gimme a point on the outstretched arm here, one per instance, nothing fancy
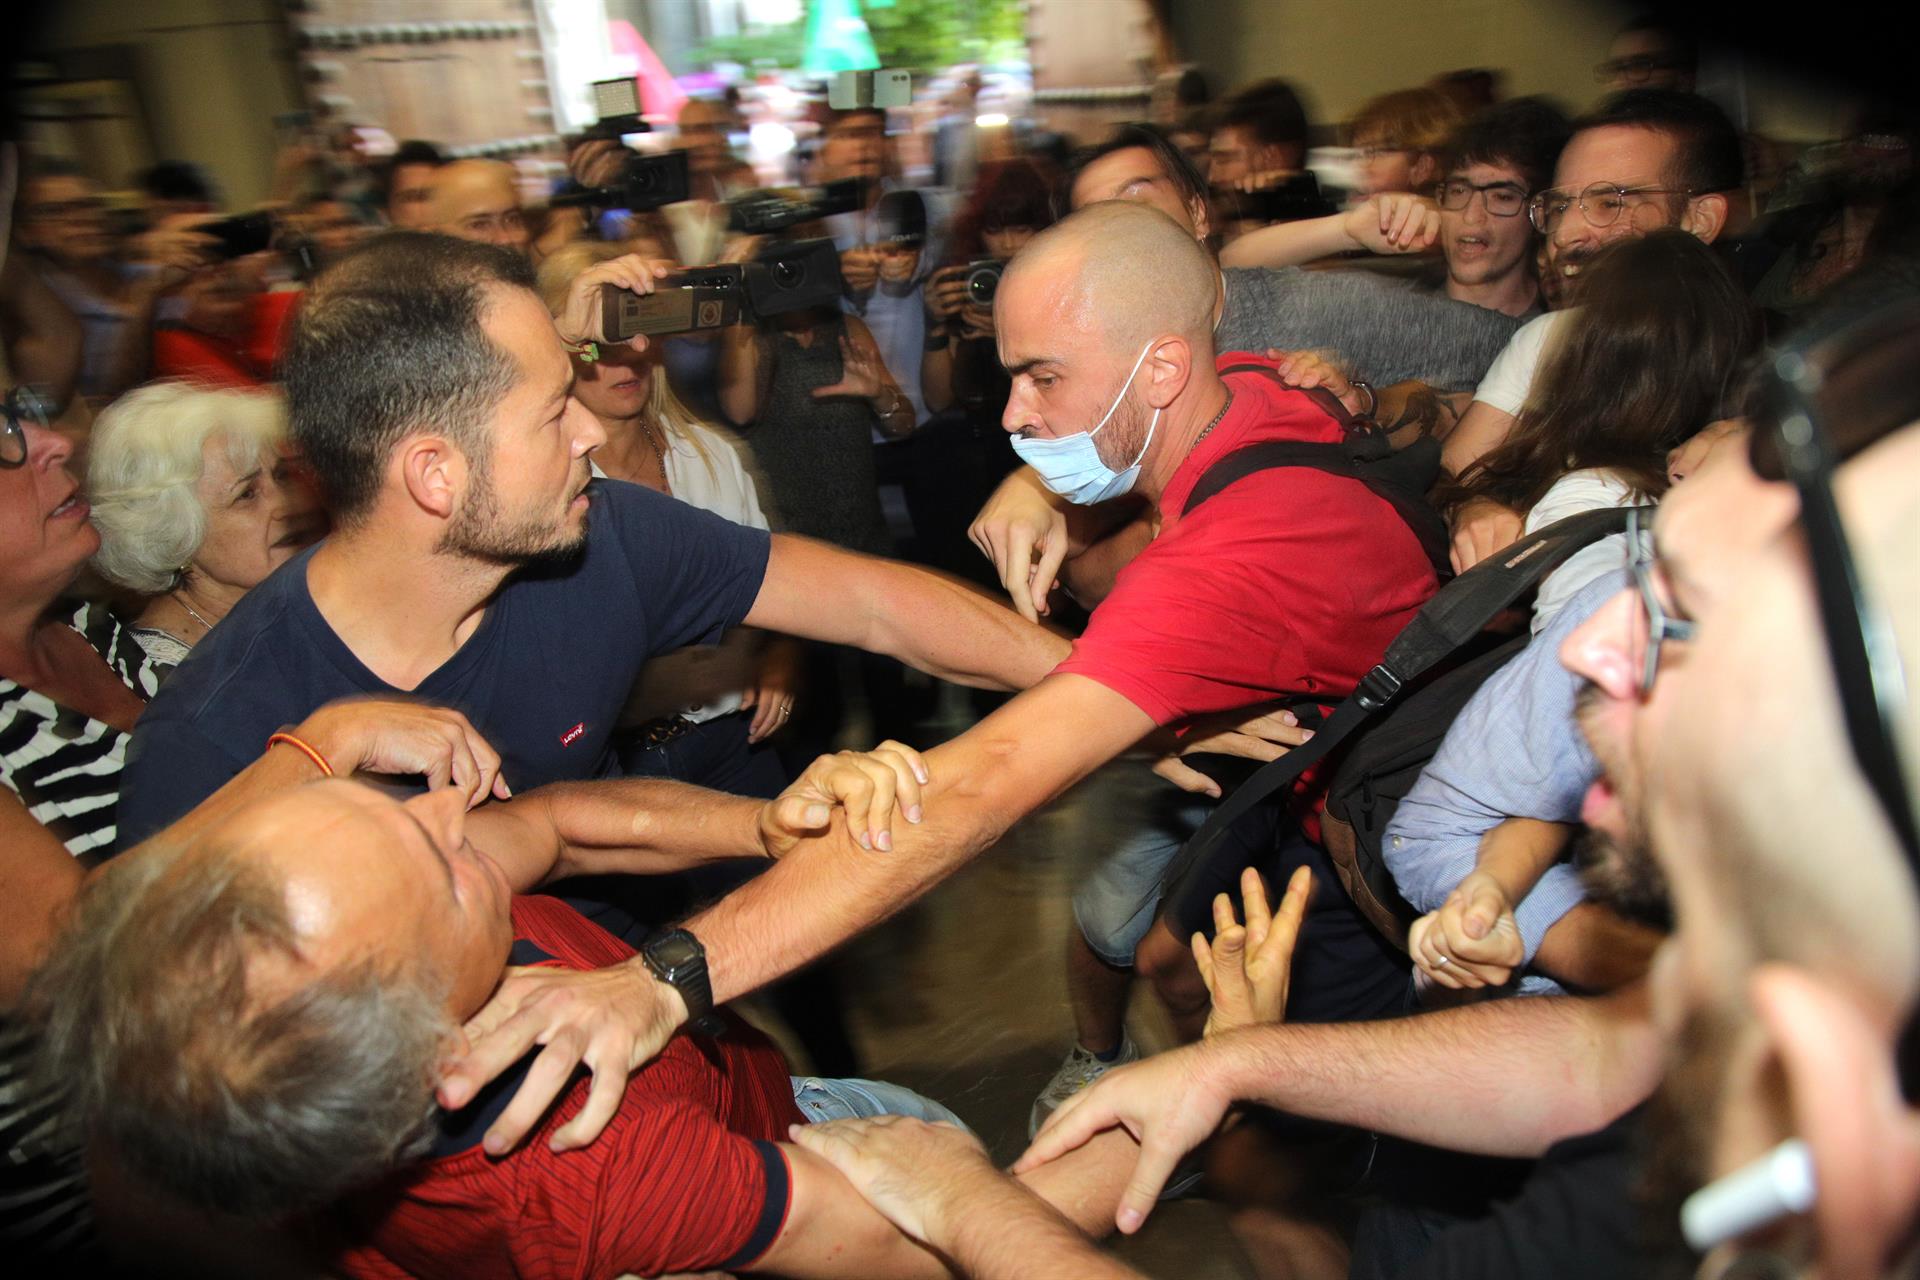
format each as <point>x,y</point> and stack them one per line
<point>647,826</point>
<point>822,892</point>
<point>936,1186</point>
<point>1387,224</point>
<point>934,623</point>
<point>1542,1069</point>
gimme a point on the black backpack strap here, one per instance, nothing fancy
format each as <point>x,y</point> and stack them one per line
<point>1457,612</point>
<point>1400,477</point>
<point>1391,476</point>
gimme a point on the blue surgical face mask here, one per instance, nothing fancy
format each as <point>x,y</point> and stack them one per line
<point>1071,466</point>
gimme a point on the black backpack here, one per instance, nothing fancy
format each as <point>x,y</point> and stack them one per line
<point>1399,472</point>
<point>1384,762</point>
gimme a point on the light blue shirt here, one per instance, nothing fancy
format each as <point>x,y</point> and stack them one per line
<point>1513,752</point>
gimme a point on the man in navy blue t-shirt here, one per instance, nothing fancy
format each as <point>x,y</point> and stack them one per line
<point>473,565</point>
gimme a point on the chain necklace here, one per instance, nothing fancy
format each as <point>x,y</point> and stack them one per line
<point>1208,429</point>
<point>192,612</point>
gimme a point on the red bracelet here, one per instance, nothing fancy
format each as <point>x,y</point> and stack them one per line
<point>319,761</point>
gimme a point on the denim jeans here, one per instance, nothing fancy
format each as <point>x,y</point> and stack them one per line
<point>821,1100</point>
<point>1116,904</point>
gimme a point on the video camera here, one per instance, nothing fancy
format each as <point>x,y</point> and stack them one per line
<point>794,276</point>
<point>765,213</point>
<point>645,181</point>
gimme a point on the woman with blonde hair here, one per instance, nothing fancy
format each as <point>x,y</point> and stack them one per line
<point>693,706</point>
<point>195,503</point>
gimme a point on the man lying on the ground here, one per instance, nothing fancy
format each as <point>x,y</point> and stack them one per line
<point>275,1045</point>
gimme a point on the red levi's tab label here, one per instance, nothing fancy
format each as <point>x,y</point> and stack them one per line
<point>572,735</point>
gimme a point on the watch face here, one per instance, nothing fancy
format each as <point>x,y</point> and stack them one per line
<point>673,950</point>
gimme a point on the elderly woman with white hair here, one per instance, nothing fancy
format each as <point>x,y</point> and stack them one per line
<point>195,505</point>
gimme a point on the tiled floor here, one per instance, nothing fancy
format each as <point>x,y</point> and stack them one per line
<point>963,997</point>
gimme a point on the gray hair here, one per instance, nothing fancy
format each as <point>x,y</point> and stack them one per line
<point>208,1079</point>
<point>144,466</point>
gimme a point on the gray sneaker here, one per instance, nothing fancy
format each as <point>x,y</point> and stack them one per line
<point>1080,1069</point>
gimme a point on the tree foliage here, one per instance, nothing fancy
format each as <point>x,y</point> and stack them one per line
<point>919,35</point>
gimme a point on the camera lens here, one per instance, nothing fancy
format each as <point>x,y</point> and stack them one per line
<point>787,273</point>
<point>982,284</point>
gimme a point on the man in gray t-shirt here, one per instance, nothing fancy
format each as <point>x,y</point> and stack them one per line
<point>1378,329</point>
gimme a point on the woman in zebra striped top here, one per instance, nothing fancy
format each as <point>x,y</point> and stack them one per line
<point>72,683</point>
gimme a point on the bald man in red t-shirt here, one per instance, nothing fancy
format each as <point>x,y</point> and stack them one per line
<point>1288,585</point>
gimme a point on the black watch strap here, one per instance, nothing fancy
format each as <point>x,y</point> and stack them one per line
<point>678,959</point>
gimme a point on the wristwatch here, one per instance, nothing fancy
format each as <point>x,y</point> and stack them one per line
<point>676,958</point>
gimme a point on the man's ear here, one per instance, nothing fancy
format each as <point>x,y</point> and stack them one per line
<point>1169,366</point>
<point>1844,1094</point>
<point>1706,216</point>
<point>1424,172</point>
<point>433,472</point>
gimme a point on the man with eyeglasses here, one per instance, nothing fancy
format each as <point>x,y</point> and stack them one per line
<point>1498,159</point>
<point>1646,159</point>
<point>1736,791</point>
<point>1649,54</point>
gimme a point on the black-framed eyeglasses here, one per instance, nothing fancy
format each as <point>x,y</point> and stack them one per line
<point>1503,199</point>
<point>1600,204</point>
<point>1792,442</point>
<point>1662,624</point>
<point>24,407</point>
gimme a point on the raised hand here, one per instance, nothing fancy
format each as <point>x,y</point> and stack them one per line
<point>1246,967</point>
<point>860,269</point>
<point>580,319</point>
<point>1022,529</point>
<point>395,736</point>
<point>863,374</point>
<point>1396,222</point>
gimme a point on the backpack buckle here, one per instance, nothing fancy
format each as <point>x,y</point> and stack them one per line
<point>1377,688</point>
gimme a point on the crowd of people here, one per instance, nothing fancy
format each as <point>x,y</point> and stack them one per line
<point>423,711</point>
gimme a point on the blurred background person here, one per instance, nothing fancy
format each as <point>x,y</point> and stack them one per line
<point>963,453</point>
<point>176,187</point>
<point>1259,145</point>
<point>478,200</point>
<point>115,288</point>
<point>409,184</point>
<point>1402,139</point>
<point>226,330</point>
<point>1650,52</point>
<point>195,503</point>
<point>328,226</point>
<point>714,175</point>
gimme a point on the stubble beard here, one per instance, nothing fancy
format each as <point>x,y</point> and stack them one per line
<point>479,530</point>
